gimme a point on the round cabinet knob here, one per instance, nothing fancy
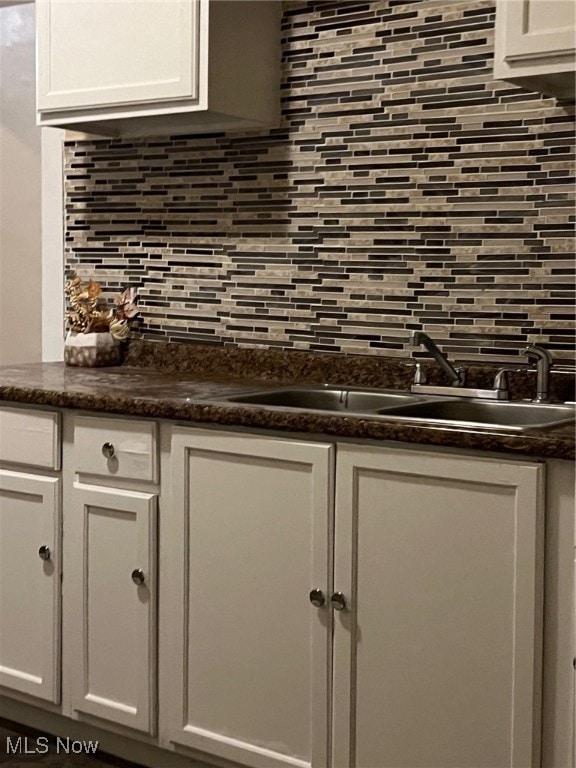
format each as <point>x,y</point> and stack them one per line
<point>138,576</point>
<point>317,598</point>
<point>108,450</point>
<point>44,552</point>
<point>338,601</point>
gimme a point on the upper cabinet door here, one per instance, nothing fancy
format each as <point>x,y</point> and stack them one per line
<point>538,27</point>
<point>158,67</point>
<point>535,45</point>
<point>97,52</point>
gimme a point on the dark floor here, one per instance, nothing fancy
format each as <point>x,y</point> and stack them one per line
<point>22,746</point>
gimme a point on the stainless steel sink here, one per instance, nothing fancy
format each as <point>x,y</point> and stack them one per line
<point>326,398</point>
<point>474,413</point>
<point>403,406</point>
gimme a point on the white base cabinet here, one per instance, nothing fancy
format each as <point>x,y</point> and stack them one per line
<point>247,656</point>
<point>436,605</point>
<point>437,658</point>
<point>111,600</point>
<point>30,553</point>
<point>149,67</point>
<point>558,677</point>
<point>30,584</point>
<point>321,605</point>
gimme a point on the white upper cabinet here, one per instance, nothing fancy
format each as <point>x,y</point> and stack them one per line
<point>78,70</point>
<point>139,67</point>
<point>536,45</point>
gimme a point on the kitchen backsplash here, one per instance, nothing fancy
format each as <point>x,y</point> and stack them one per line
<point>403,189</point>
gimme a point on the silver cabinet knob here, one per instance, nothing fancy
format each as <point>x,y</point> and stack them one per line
<point>108,450</point>
<point>317,598</point>
<point>138,576</point>
<point>44,552</point>
<point>338,601</point>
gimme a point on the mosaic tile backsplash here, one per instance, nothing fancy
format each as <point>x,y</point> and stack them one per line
<point>403,189</point>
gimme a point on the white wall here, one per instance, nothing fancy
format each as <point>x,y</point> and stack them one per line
<point>20,191</point>
<point>52,244</point>
<point>31,203</point>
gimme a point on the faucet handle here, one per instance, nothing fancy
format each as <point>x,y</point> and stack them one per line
<point>419,375</point>
<point>501,380</point>
<point>462,373</point>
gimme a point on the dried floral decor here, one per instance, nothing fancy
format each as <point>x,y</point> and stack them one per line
<point>90,314</point>
<point>95,329</point>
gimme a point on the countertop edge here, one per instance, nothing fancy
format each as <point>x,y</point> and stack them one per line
<point>551,444</point>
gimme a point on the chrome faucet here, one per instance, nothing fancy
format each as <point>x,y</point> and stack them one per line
<point>455,376</point>
<point>543,364</point>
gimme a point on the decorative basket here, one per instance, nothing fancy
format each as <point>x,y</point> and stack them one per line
<point>91,350</point>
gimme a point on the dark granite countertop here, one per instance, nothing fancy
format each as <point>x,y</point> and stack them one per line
<point>184,383</point>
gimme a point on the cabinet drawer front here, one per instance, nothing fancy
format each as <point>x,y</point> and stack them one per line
<point>30,437</point>
<point>115,448</point>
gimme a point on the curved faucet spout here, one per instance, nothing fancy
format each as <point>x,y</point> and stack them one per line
<point>418,338</point>
<point>543,364</point>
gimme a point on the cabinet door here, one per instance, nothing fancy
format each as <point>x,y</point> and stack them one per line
<point>437,657</point>
<point>100,53</point>
<point>112,622</point>
<point>573,762</point>
<point>30,584</point>
<point>248,655</point>
<point>536,28</point>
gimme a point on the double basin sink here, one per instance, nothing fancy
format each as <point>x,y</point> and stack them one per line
<point>405,407</point>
